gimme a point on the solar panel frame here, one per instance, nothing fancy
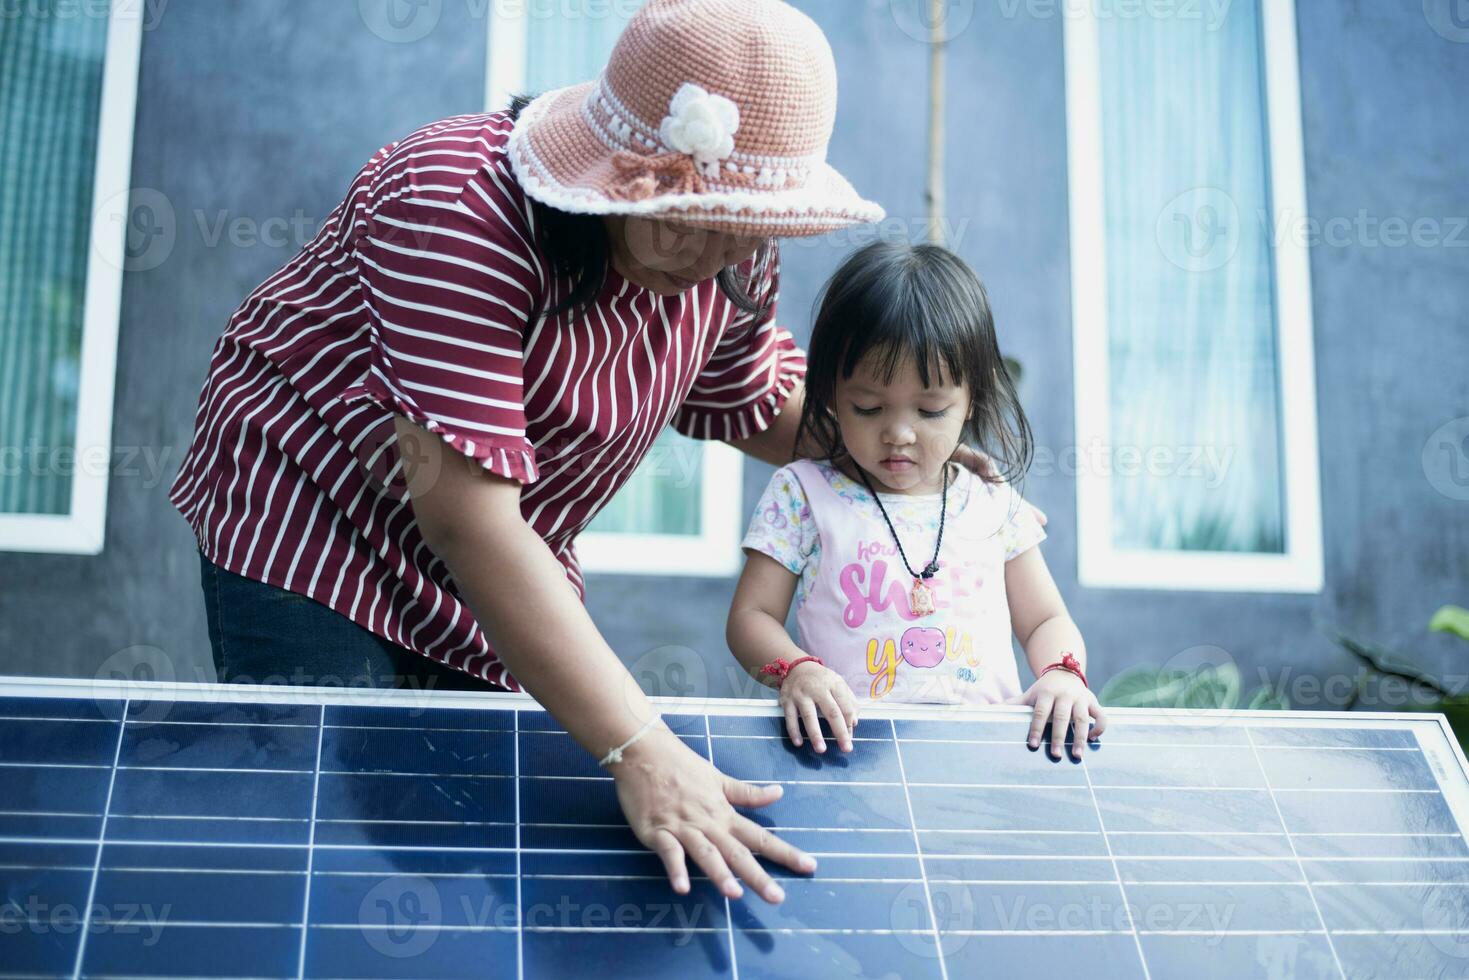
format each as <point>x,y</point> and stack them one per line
<point>148,703</point>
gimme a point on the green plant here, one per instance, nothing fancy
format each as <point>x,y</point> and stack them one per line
<point>1375,660</point>
<point>1206,686</point>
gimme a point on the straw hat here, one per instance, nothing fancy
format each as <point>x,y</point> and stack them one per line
<point>713,112</point>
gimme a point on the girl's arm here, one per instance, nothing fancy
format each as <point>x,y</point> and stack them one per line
<point>757,635</point>
<point>1046,631</point>
<point>756,630</point>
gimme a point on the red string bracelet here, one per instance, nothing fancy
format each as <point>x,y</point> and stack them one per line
<point>780,667</point>
<point>1068,663</point>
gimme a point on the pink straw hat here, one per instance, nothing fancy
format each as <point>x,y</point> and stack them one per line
<point>716,113</point>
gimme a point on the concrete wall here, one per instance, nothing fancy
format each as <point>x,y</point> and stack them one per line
<point>248,111</point>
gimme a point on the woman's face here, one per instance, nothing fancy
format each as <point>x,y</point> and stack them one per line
<point>668,256</point>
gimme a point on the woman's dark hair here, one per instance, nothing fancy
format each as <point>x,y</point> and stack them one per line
<point>922,302</point>
<point>576,247</point>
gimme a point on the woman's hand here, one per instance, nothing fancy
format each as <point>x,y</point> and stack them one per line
<point>983,463</point>
<point>679,805</point>
<point>1062,699</point>
<point>810,688</point>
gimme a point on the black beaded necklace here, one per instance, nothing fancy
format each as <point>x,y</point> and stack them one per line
<point>920,598</point>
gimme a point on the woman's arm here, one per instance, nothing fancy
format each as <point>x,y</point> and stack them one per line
<point>676,802</point>
<point>1046,631</point>
<point>776,444</point>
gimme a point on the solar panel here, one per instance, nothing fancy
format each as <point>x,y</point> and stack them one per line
<point>206,830</point>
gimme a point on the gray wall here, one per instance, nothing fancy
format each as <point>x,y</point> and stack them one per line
<point>244,112</point>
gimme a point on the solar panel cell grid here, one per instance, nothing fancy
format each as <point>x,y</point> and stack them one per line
<point>311,835</point>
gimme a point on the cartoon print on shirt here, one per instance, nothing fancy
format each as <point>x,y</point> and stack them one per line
<point>883,658</point>
<point>923,646</point>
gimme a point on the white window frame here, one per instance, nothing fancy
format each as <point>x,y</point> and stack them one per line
<point>1100,564</point>
<point>82,530</point>
<point>715,551</point>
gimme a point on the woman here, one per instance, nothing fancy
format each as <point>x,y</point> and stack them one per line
<point>404,429</point>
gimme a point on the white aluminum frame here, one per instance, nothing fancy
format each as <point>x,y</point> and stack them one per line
<point>82,530</point>
<point>1100,564</point>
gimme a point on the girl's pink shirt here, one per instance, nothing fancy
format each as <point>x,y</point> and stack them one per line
<point>852,598</point>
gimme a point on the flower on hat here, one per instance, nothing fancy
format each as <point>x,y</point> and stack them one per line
<point>641,177</point>
<point>701,124</point>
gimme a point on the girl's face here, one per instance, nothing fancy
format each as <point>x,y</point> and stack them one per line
<point>901,433</point>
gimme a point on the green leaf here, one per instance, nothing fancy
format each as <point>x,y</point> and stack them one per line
<point>1136,687</point>
<point>1384,662</point>
<point>1451,619</point>
<point>1132,688</point>
<point>1265,699</point>
<point>1212,687</point>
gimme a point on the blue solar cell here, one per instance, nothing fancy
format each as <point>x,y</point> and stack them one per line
<point>81,709</point>
<point>193,951</point>
<point>442,752</point>
<point>203,896</point>
<point>216,746</point>
<point>224,713</point>
<point>1300,957</point>
<point>1441,953</point>
<point>1302,768</point>
<point>1008,763</point>
<point>413,954</point>
<point>256,838</point>
<point>57,743</point>
<point>55,789</point>
<point>1346,737</point>
<point>417,718</point>
<point>777,760</point>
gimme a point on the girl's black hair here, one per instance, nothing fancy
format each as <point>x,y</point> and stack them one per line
<point>922,302</point>
<point>576,247</point>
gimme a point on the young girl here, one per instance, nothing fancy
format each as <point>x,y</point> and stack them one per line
<point>908,570</point>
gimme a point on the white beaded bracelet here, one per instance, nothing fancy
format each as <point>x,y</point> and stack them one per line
<point>616,754</point>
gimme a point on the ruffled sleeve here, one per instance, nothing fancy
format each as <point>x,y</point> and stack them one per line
<point>450,279</point>
<point>782,526</point>
<point>1020,530</point>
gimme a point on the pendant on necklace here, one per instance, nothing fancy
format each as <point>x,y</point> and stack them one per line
<point>920,599</point>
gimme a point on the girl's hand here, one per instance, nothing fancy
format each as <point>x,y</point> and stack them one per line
<point>811,687</point>
<point>1062,699</point>
<point>680,806</point>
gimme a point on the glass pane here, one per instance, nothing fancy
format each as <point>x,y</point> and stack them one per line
<point>664,494</point>
<point>50,94</point>
<point>1196,419</point>
<point>569,43</point>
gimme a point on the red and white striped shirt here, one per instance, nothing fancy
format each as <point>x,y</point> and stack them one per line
<point>418,298</point>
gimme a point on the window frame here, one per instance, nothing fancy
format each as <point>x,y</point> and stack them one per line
<point>715,551</point>
<point>82,530</point>
<point>1100,563</point>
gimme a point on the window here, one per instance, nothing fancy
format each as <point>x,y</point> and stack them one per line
<point>1196,453</point>
<point>68,84</point>
<point>680,513</point>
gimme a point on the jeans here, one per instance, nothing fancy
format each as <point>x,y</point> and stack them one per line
<point>261,634</point>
